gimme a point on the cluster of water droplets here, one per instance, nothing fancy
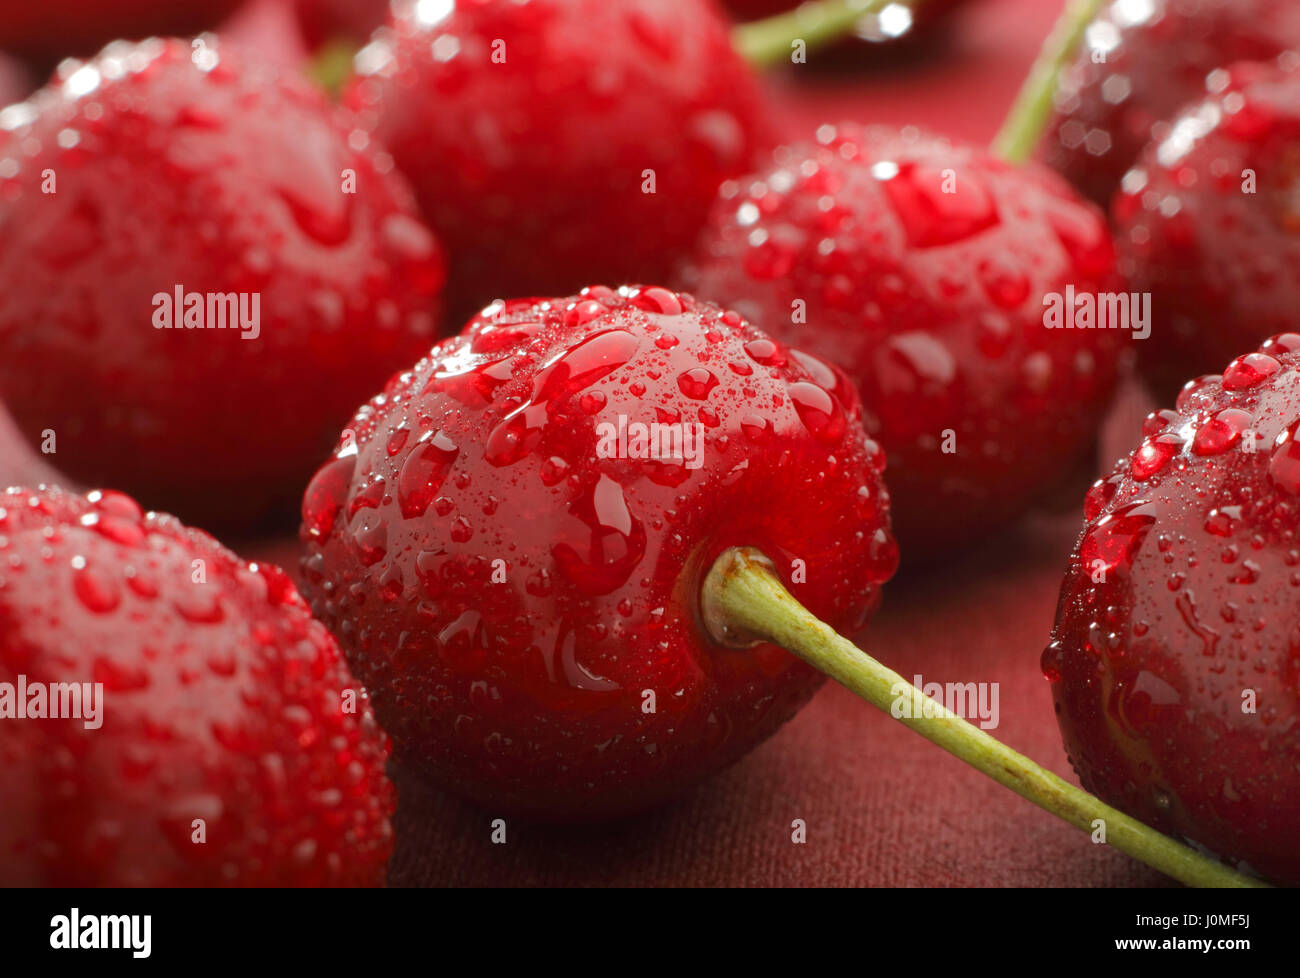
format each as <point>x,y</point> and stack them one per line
<point>221,698</point>
<point>1186,577</point>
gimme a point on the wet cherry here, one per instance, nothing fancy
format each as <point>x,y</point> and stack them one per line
<point>923,268</point>
<point>1142,62</point>
<point>226,745</point>
<point>1206,224</point>
<point>1173,660</point>
<point>510,542</point>
<point>204,271</point>
<point>537,133</point>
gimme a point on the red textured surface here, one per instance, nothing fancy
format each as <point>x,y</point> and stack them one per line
<point>882,806</point>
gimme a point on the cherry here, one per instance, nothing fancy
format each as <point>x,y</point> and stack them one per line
<point>1206,223</point>
<point>1143,62</point>
<point>170,185</point>
<point>171,715</point>
<point>537,133</point>
<point>922,268</point>
<point>516,582</point>
<point>1173,661</point>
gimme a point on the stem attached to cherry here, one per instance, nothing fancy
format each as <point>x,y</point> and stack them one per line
<point>743,602</point>
<point>331,66</point>
<point>1033,106</point>
<point>767,42</point>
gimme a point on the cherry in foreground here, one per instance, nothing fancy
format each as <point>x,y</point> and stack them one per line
<point>193,246</point>
<point>510,541</point>
<point>172,715</point>
<point>1174,657</point>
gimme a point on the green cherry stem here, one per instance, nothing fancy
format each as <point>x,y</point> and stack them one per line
<point>744,602</point>
<point>331,66</point>
<point>767,42</point>
<point>1033,106</point>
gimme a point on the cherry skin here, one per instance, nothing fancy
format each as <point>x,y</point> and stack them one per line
<point>519,592</point>
<point>536,134</point>
<point>221,700</point>
<point>180,167</point>
<point>1156,56</point>
<point>1173,659</point>
<point>853,247</point>
<point>1206,224</point>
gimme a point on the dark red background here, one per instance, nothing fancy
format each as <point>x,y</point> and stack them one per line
<point>882,806</point>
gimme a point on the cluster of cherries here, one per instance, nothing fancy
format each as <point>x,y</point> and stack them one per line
<point>507,592</point>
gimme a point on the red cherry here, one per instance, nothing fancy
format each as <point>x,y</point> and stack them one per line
<point>1206,223</point>
<point>517,584</point>
<point>922,268</point>
<point>536,134</point>
<point>1143,61</point>
<point>226,744</point>
<point>174,167</point>
<point>1173,659</point>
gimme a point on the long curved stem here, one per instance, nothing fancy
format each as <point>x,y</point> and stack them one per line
<point>766,42</point>
<point>743,601</point>
<point>1033,106</point>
